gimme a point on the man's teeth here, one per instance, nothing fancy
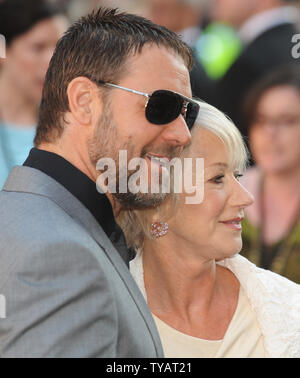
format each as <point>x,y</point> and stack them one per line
<point>162,161</point>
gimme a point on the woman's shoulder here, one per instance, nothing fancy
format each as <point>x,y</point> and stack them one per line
<point>267,291</point>
<point>249,274</point>
<point>276,302</point>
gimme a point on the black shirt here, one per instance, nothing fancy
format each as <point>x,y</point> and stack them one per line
<point>84,189</point>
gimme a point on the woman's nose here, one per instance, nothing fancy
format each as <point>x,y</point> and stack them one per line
<point>241,196</point>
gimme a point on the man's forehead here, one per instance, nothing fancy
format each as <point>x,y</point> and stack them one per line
<point>160,66</point>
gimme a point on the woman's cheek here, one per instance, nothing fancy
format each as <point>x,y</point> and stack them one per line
<point>215,203</point>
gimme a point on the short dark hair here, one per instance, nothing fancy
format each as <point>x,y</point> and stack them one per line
<point>286,75</point>
<point>96,47</point>
<point>19,16</point>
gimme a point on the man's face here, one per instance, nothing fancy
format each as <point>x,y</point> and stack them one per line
<point>123,125</point>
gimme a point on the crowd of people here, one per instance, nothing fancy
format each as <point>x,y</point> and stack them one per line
<point>93,273</point>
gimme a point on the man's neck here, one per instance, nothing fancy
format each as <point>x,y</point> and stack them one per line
<point>80,162</point>
<point>71,155</point>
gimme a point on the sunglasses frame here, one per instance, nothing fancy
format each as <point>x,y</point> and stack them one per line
<point>186,100</point>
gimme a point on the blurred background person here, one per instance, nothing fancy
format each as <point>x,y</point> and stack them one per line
<point>182,16</point>
<point>265,28</point>
<point>31,29</point>
<point>271,231</point>
<point>78,8</point>
<point>185,18</point>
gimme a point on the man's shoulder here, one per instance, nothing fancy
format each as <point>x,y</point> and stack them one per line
<point>23,211</point>
<point>54,283</point>
<point>35,228</point>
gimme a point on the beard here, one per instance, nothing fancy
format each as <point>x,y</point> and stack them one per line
<point>104,144</point>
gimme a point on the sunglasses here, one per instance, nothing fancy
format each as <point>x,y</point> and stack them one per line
<point>165,106</point>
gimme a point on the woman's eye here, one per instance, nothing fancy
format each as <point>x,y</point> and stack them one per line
<point>238,176</point>
<point>218,179</point>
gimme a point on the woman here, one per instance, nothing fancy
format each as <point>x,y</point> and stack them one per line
<point>207,300</point>
<point>31,29</point>
<point>272,225</point>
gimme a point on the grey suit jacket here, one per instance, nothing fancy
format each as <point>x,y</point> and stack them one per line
<point>68,292</point>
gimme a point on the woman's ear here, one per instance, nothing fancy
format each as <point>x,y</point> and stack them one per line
<point>81,96</point>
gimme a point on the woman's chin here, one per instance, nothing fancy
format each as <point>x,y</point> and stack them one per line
<point>229,253</point>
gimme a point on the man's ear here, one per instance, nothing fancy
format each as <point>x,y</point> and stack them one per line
<point>81,95</point>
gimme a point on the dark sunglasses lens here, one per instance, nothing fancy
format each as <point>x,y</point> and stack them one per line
<point>191,114</point>
<point>163,107</point>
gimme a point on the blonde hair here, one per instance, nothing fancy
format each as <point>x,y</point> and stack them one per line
<point>136,224</point>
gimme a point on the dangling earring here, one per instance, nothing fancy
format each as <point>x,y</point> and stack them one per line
<point>159,229</point>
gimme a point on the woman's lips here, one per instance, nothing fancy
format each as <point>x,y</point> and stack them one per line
<point>235,224</point>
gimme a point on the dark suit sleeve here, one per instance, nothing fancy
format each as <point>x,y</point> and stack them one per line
<point>59,304</point>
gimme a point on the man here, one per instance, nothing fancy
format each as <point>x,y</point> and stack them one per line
<point>69,292</point>
<point>266,28</point>
<point>185,17</point>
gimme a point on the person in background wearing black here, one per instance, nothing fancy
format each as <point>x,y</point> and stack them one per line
<point>266,28</point>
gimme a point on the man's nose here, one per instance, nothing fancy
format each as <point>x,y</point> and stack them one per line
<point>177,133</point>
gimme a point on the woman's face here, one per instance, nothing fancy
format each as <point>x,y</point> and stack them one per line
<point>215,224</point>
<point>28,56</point>
<point>275,133</point>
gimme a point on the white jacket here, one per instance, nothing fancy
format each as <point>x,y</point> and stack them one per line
<point>275,300</point>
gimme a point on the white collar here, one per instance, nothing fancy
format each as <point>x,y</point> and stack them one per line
<point>264,21</point>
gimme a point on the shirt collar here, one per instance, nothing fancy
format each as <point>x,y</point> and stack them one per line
<point>77,183</point>
<point>264,21</point>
